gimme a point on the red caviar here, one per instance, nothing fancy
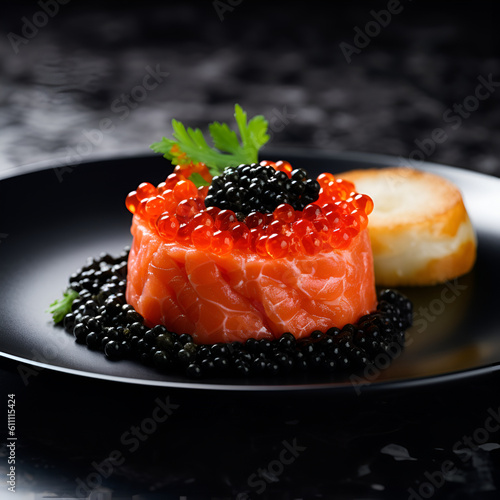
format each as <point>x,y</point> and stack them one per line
<point>167,226</point>
<point>254,219</point>
<point>277,227</point>
<point>222,242</point>
<point>212,211</point>
<point>145,190</point>
<point>161,187</point>
<point>202,219</point>
<point>186,209</point>
<point>184,234</point>
<point>201,236</point>
<point>193,168</point>
<point>277,246</point>
<point>322,227</point>
<point>241,235</point>
<point>261,245</point>
<point>312,243</point>
<point>224,219</point>
<point>284,166</point>
<point>131,202</point>
<point>302,227</point>
<point>170,201</point>
<point>185,189</point>
<point>255,234</point>
<point>155,205</point>
<point>284,213</point>
<point>312,212</point>
<point>172,180</point>
<point>176,210</point>
<point>325,178</point>
<point>364,203</point>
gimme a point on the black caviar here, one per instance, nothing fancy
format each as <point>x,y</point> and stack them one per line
<point>101,319</point>
<point>257,188</point>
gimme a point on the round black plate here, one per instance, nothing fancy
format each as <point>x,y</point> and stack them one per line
<point>53,218</point>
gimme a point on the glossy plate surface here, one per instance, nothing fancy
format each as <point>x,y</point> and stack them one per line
<point>53,218</point>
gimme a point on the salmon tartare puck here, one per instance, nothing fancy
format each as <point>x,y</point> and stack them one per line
<point>222,275</point>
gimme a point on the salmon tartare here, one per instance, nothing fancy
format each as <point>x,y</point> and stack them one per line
<point>298,271</point>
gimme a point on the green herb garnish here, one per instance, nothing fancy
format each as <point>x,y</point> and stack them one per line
<point>60,307</point>
<point>189,145</point>
<point>198,180</point>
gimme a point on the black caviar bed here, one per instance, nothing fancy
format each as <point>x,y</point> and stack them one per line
<point>101,319</point>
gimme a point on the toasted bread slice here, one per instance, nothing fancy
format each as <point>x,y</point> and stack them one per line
<point>420,231</point>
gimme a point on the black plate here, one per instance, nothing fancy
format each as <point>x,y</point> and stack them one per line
<point>53,218</point>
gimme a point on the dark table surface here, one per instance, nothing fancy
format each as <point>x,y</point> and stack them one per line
<point>77,434</point>
<point>423,84</point>
<point>318,81</point>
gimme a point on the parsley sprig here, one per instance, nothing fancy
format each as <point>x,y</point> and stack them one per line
<point>60,307</point>
<point>189,145</point>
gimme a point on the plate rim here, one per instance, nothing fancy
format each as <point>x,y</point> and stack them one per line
<point>343,388</point>
<point>378,160</point>
<point>281,151</point>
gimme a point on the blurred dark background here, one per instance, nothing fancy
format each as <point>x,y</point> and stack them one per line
<point>361,76</point>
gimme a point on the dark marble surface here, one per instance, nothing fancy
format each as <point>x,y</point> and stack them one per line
<point>75,87</point>
<point>76,435</point>
<point>285,60</point>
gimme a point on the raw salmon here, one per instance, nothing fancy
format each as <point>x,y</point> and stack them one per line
<point>238,295</point>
